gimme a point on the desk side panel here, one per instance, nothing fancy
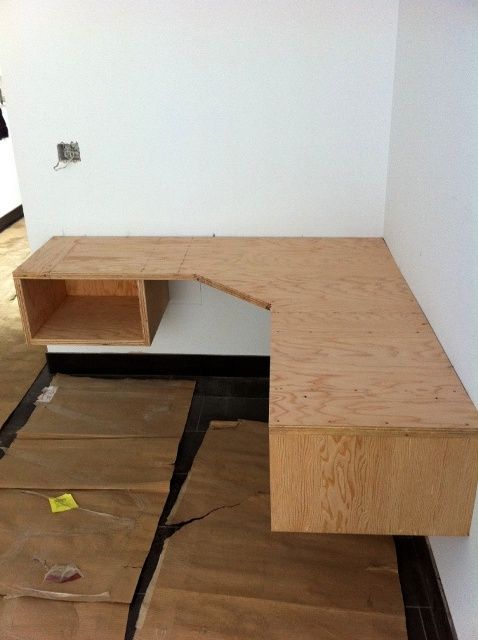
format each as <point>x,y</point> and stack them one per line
<point>154,298</point>
<point>38,300</point>
<point>396,485</point>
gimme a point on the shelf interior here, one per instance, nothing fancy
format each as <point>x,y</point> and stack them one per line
<point>93,319</point>
<point>83,311</point>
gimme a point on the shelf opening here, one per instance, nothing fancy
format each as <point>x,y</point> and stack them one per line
<point>84,311</point>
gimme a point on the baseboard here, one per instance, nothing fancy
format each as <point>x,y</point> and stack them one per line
<point>436,593</point>
<point>11,217</point>
<point>426,607</point>
<point>145,364</point>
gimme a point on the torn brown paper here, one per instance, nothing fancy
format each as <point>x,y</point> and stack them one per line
<point>117,408</point>
<point>222,617</point>
<point>34,619</point>
<point>237,475</point>
<point>107,537</point>
<point>141,464</point>
<point>224,574</point>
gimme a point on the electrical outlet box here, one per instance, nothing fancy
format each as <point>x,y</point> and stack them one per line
<point>68,152</point>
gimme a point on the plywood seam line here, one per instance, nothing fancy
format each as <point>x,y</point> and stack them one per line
<point>424,431</point>
<point>146,261</point>
<point>236,293</point>
<point>185,256</point>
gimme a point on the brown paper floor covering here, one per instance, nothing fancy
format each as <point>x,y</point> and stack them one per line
<point>19,363</point>
<point>120,480</point>
<point>108,538</point>
<point>225,576</point>
<point>50,451</point>
<point>101,408</point>
<point>36,619</point>
<point>222,575</point>
<point>141,464</point>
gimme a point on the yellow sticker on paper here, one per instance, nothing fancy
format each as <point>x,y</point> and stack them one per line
<point>62,503</point>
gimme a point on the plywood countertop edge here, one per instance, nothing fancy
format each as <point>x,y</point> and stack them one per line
<point>423,431</point>
<point>93,258</point>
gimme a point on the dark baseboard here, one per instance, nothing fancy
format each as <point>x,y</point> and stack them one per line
<point>438,601</point>
<point>145,364</point>
<point>9,218</point>
<point>426,608</point>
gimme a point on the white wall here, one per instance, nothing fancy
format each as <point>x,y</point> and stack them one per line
<point>431,222</point>
<point>9,190</point>
<point>232,117</point>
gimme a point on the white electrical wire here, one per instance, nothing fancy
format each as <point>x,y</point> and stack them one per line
<point>63,163</point>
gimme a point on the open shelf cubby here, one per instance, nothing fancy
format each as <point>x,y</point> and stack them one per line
<point>83,311</point>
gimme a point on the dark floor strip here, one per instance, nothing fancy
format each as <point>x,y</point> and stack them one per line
<point>428,616</point>
<point>153,364</point>
<point>10,218</point>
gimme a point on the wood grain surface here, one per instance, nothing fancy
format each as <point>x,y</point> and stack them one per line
<point>153,300</point>
<point>372,484</point>
<point>352,354</point>
<point>93,320</point>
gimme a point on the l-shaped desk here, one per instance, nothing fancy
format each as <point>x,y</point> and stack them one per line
<point>371,430</point>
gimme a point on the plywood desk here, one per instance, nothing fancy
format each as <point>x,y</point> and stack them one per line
<point>371,431</point>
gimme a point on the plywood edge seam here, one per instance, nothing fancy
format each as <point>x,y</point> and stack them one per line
<point>21,274</point>
<point>23,311</point>
<point>234,292</point>
<point>103,343</point>
<point>423,431</point>
<point>143,312</point>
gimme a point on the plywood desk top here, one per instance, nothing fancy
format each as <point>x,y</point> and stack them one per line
<point>371,431</point>
<point>351,350</point>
